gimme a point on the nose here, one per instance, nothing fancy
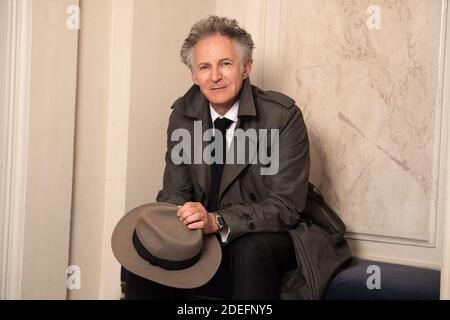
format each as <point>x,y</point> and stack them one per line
<point>216,75</point>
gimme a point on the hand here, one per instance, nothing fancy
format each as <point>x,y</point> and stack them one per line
<point>195,216</point>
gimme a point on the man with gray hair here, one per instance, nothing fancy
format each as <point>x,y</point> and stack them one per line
<point>251,213</point>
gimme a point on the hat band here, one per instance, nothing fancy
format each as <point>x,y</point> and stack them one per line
<point>165,264</point>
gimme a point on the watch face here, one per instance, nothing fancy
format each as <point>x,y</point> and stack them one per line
<point>220,221</point>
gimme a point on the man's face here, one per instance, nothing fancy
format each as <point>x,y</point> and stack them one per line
<point>217,70</point>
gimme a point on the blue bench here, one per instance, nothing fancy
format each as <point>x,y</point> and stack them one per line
<point>397,282</point>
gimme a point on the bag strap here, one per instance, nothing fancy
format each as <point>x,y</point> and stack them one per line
<point>315,195</point>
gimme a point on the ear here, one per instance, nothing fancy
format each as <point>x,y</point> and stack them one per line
<point>247,68</point>
<point>194,77</point>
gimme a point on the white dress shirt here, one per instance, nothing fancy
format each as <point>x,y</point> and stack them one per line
<point>232,115</point>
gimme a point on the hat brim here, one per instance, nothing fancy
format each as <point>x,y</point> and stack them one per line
<point>195,276</point>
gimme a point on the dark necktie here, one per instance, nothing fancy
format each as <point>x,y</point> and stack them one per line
<point>217,168</point>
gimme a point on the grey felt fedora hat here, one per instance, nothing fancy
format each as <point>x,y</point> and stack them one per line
<point>151,242</point>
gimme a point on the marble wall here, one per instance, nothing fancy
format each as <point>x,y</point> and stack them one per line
<point>372,101</point>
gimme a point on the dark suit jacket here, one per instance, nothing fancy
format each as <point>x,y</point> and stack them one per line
<point>249,201</point>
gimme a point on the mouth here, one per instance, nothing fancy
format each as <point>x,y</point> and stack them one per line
<point>217,88</point>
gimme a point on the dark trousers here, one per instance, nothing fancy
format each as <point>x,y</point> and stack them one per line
<point>251,268</point>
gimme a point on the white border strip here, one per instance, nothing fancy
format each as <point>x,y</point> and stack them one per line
<point>445,163</point>
<point>17,119</point>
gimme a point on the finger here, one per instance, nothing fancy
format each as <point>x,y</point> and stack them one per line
<point>182,209</point>
<point>189,212</point>
<point>199,216</point>
<point>185,207</point>
<point>196,225</point>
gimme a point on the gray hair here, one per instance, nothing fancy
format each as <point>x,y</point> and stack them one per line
<point>213,25</point>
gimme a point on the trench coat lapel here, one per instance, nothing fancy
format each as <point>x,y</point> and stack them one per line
<point>197,107</point>
<point>202,170</point>
<point>246,120</point>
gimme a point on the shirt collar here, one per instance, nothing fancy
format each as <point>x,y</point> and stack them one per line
<point>231,114</point>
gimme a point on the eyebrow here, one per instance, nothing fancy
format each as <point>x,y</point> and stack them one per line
<point>221,60</point>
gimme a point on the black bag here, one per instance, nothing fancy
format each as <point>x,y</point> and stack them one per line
<point>318,212</point>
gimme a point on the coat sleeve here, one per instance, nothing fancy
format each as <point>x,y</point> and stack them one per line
<point>177,183</point>
<point>286,190</point>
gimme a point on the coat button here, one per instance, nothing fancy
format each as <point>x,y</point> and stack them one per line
<point>251,225</point>
<point>252,196</point>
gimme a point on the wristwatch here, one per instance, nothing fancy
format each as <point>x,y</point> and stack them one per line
<point>220,221</point>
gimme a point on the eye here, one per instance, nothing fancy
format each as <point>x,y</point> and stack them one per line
<point>203,67</point>
<point>226,63</point>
